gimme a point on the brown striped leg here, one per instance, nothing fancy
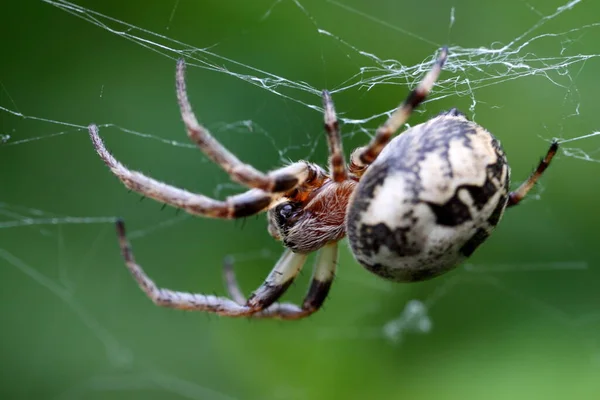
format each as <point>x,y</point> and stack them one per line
<point>242,205</point>
<point>322,279</point>
<point>280,180</point>
<point>337,164</point>
<point>515,197</point>
<point>191,301</point>
<point>278,281</point>
<point>364,156</point>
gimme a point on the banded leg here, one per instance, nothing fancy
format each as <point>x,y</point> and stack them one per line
<point>278,281</point>
<point>323,275</point>
<point>242,205</point>
<point>515,197</point>
<point>280,180</point>
<point>193,301</point>
<point>337,164</point>
<point>364,156</point>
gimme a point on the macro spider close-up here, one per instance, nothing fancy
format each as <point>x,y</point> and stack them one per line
<point>413,206</point>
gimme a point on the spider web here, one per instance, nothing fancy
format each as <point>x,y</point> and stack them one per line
<point>76,325</point>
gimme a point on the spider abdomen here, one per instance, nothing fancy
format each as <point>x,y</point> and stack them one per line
<point>433,195</point>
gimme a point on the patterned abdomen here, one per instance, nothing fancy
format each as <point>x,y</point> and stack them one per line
<point>429,200</point>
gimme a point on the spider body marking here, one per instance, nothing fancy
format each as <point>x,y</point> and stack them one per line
<point>413,206</point>
<point>433,195</point>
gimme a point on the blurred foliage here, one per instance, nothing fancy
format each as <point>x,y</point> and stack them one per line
<point>522,323</point>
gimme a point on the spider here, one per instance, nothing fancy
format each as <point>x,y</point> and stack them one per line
<point>413,207</point>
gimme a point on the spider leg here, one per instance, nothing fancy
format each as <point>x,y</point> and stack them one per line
<point>191,301</point>
<point>323,275</point>
<point>515,197</point>
<point>337,164</point>
<point>231,283</point>
<point>278,281</point>
<point>242,205</point>
<point>276,284</point>
<point>364,156</point>
<point>280,180</point>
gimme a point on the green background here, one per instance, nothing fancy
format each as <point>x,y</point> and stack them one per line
<point>520,322</point>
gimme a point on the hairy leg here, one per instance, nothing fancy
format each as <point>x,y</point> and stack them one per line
<point>364,156</point>
<point>515,197</point>
<point>323,275</point>
<point>337,164</point>
<point>280,180</point>
<point>242,205</point>
<point>288,263</point>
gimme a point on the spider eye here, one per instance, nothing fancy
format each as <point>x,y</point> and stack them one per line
<point>282,219</point>
<point>284,214</point>
<point>285,211</point>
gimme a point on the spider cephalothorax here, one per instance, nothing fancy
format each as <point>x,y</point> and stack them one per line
<point>307,220</point>
<point>413,207</point>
